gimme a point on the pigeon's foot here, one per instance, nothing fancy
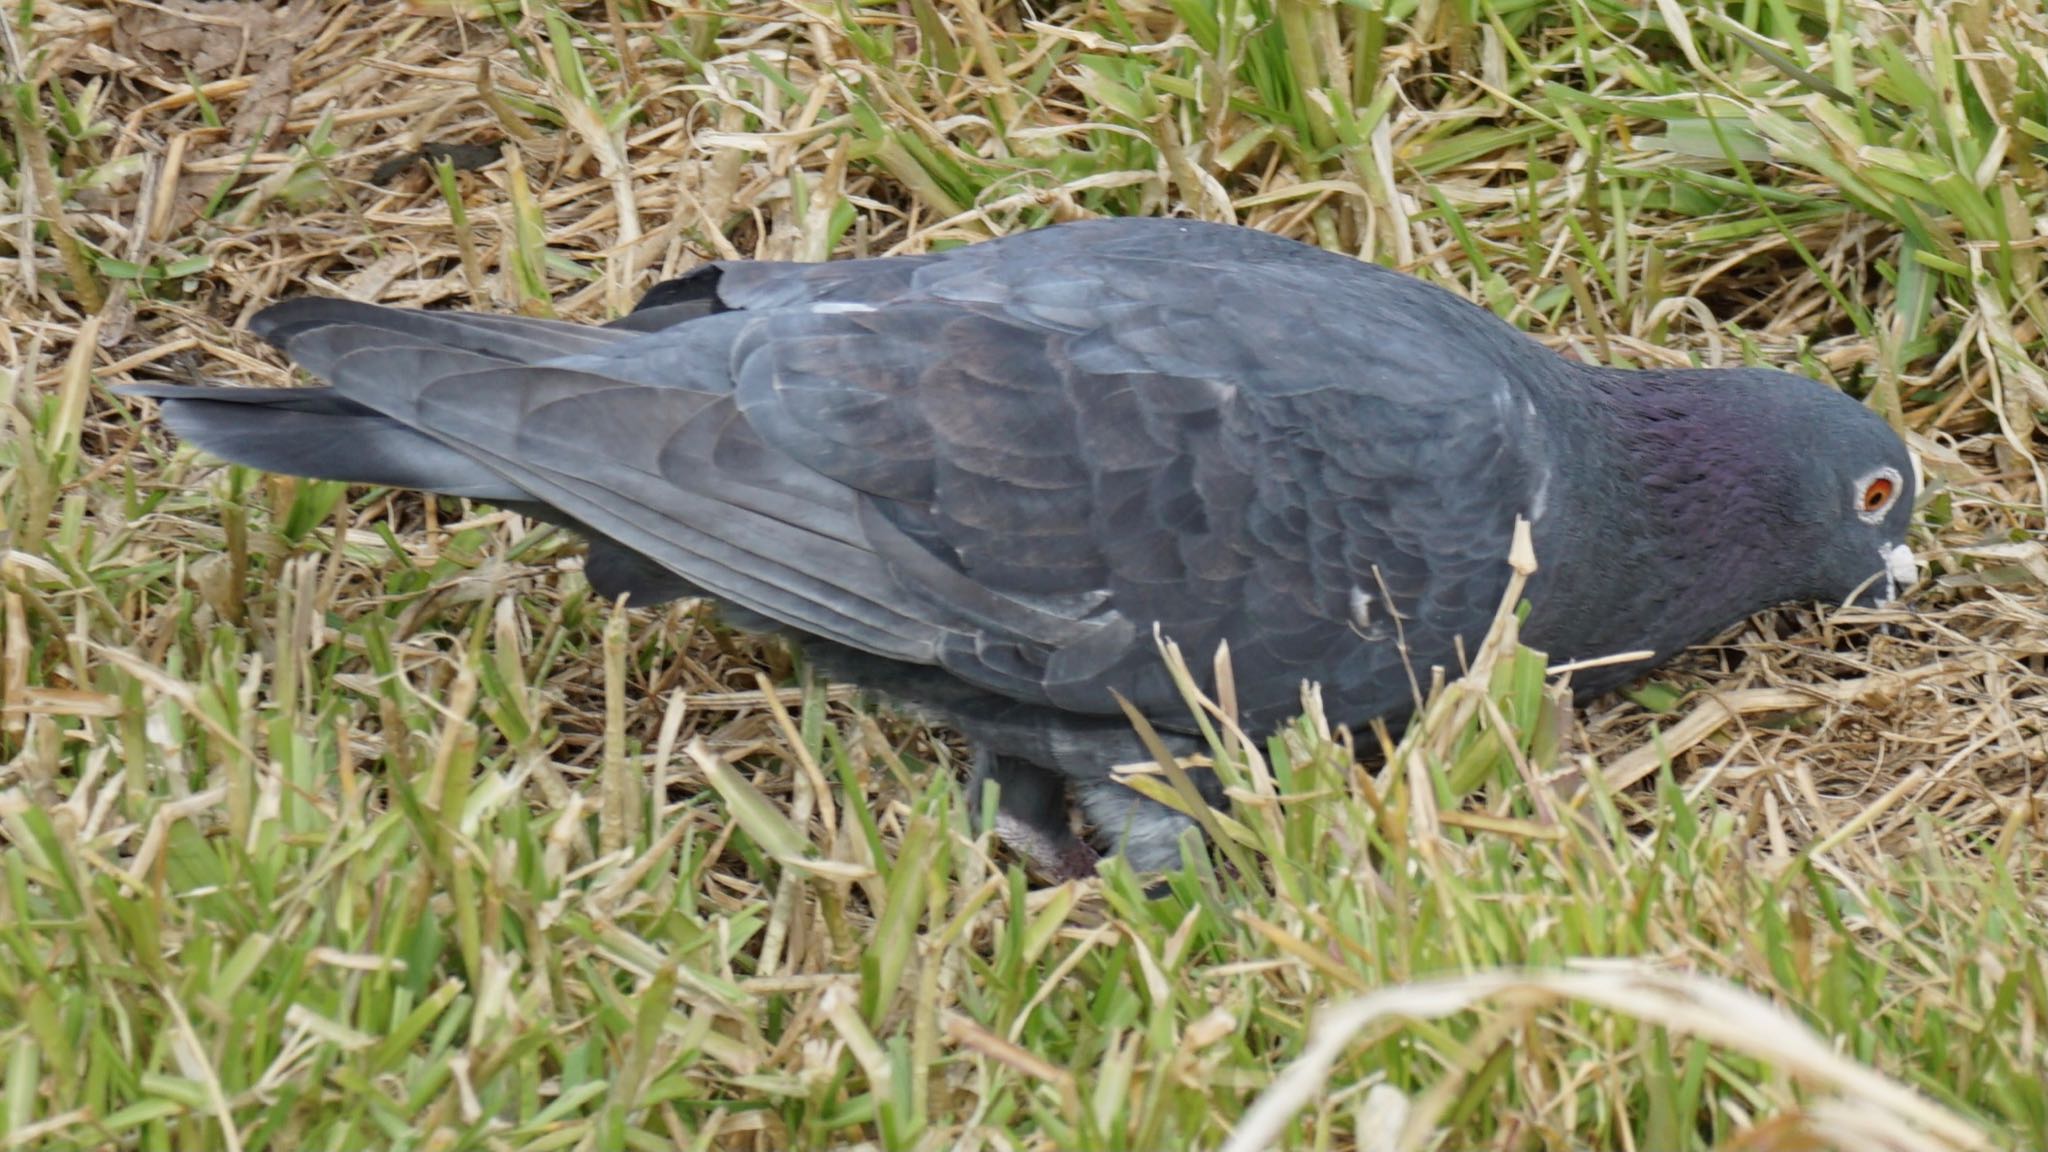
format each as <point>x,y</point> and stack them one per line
<point>1032,816</point>
<point>1056,859</point>
<point>1035,817</point>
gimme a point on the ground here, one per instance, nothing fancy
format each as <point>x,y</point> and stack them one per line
<point>336,818</point>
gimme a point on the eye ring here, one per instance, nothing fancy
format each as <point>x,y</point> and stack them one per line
<point>1875,493</point>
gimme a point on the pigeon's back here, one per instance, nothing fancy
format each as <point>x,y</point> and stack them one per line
<point>1008,463</point>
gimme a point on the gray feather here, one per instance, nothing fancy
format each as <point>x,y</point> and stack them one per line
<point>315,432</point>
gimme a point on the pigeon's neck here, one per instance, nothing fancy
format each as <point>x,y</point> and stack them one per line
<point>1666,477</point>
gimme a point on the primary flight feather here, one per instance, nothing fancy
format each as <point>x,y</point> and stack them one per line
<point>977,480</point>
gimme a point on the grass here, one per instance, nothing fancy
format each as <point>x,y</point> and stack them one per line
<point>335,818</point>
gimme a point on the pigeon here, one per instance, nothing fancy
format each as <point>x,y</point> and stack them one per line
<point>984,482</point>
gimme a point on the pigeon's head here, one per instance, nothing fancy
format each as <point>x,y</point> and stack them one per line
<point>1849,491</point>
<point>1741,489</point>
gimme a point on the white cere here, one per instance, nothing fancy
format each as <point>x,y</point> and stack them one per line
<point>1901,570</point>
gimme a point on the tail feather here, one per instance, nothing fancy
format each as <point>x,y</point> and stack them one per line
<point>317,432</point>
<point>520,339</point>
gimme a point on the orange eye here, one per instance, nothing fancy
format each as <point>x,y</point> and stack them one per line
<point>1877,494</point>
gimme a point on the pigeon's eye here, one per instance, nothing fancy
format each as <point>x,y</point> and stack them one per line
<point>1876,493</point>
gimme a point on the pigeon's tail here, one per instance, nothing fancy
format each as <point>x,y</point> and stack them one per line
<point>499,409</point>
<point>318,433</point>
<point>324,434</point>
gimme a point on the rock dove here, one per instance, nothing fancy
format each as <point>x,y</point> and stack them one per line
<point>976,480</point>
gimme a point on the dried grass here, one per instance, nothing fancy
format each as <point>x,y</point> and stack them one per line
<point>247,135</point>
<point>1954,693</point>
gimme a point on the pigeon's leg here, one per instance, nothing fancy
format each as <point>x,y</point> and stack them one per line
<point>1032,817</point>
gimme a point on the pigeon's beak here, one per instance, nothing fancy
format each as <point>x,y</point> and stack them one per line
<point>1901,571</point>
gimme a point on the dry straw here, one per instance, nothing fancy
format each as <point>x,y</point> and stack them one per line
<point>623,842</point>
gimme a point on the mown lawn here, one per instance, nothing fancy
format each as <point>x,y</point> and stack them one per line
<point>333,818</point>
